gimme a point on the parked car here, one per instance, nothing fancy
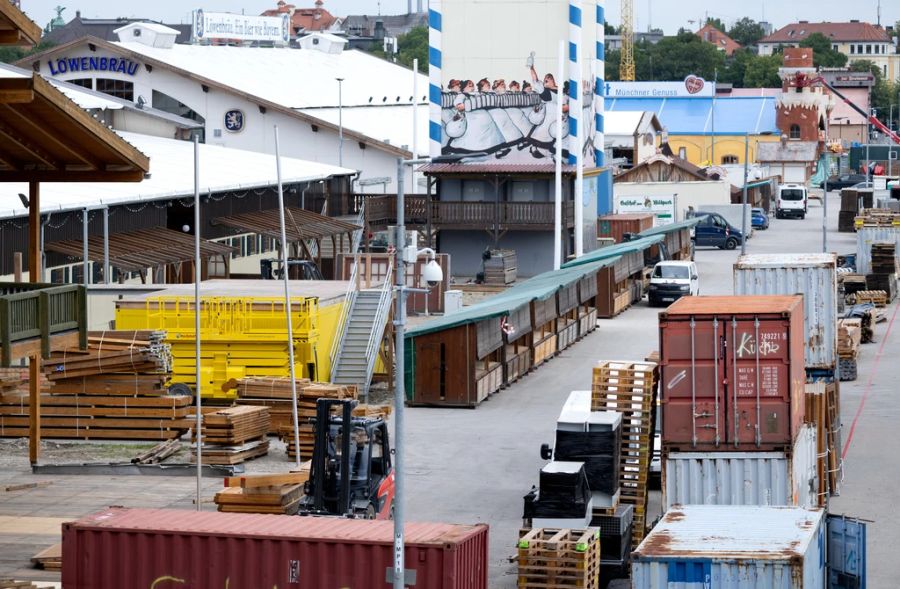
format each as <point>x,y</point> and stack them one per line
<point>843,181</point>
<point>714,230</point>
<point>791,201</point>
<point>758,218</point>
<point>671,280</point>
<point>863,185</point>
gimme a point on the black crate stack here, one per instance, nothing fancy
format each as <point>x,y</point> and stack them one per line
<point>884,269</point>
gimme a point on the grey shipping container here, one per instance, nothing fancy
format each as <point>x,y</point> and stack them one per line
<point>865,237</point>
<point>738,547</point>
<point>812,275</point>
<point>743,478</point>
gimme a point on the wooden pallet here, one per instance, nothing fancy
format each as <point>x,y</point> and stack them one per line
<point>849,337</point>
<point>12,584</point>
<point>835,464</point>
<point>815,415</point>
<point>879,298</point>
<point>227,455</point>
<point>629,388</point>
<point>552,557</point>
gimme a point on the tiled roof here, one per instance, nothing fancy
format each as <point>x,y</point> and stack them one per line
<point>306,19</point>
<point>836,31</point>
<point>711,34</point>
<point>103,28</point>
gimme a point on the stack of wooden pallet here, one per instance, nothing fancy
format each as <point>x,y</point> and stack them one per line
<point>849,339</point>
<point>815,415</point>
<point>308,430</point>
<point>823,410</point>
<point>550,557</point>
<point>876,218</point>
<point>500,267</point>
<point>115,389</point>
<point>878,298</point>
<point>630,389</point>
<point>263,493</point>
<point>884,269</point>
<point>275,393</point>
<point>235,434</point>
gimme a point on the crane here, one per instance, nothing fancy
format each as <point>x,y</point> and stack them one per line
<point>626,65</point>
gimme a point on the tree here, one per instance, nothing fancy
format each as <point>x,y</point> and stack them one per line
<point>746,31</point>
<point>613,59</point>
<point>412,45</point>
<point>611,30</point>
<point>762,72</point>
<point>823,54</point>
<point>675,58</point>
<point>14,54</point>
<point>716,22</point>
<point>736,68</point>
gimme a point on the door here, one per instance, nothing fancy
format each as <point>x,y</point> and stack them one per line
<point>702,231</point>
<point>846,552</point>
<point>430,386</point>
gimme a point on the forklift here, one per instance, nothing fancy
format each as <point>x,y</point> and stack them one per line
<point>351,473</point>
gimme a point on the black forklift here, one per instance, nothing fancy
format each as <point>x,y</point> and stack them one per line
<point>351,473</point>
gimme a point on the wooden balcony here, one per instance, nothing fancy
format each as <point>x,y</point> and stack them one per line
<point>38,318</point>
<point>381,211</point>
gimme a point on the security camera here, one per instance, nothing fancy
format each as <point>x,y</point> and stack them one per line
<point>432,274</point>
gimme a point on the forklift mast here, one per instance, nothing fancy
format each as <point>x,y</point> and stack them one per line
<point>319,466</point>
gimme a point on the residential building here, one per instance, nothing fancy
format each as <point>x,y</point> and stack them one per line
<point>857,40</point>
<point>845,124</point>
<point>103,28</point>
<point>723,42</point>
<point>801,110</point>
<point>306,20</point>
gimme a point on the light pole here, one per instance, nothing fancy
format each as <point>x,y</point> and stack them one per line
<point>340,122</point>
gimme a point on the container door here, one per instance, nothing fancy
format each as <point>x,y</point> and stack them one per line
<point>691,392</point>
<point>846,553</point>
<point>759,382</point>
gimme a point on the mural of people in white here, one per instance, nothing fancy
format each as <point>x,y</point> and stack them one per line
<point>514,123</point>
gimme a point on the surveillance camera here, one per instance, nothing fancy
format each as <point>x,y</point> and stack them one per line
<point>432,274</point>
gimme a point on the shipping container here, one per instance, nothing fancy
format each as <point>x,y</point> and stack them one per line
<point>812,275</point>
<point>166,549</point>
<point>743,478</point>
<point>865,237</point>
<point>616,226</point>
<point>732,374</point>
<point>738,547</point>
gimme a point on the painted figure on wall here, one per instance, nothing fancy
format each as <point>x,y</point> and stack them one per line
<point>514,122</point>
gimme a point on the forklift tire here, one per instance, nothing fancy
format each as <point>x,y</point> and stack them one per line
<point>370,512</point>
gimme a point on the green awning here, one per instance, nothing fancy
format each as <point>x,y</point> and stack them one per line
<point>617,250</point>
<point>665,229</point>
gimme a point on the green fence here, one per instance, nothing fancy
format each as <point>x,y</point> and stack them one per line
<point>39,311</point>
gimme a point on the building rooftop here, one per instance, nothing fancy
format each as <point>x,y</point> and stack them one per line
<point>104,28</point>
<point>314,18</point>
<point>723,42</point>
<point>836,31</point>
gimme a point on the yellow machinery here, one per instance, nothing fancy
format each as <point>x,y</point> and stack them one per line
<point>240,336</point>
<point>626,65</point>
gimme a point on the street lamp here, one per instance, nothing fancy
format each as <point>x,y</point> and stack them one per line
<point>744,192</point>
<point>340,82</point>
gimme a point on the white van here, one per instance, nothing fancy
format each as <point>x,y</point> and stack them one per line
<point>671,280</point>
<point>791,202</point>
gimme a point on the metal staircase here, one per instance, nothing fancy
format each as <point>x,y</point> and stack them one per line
<point>360,333</point>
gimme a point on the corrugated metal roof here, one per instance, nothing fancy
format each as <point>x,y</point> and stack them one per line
<point>666,229</point>
<point>723,531</point>
<point>692,116</point>
<point>759,304</point>
<point>785,260</point>
<point>299,224</point>
<point>281,526</point>
<point>539,287</point>
<point>614,251</point>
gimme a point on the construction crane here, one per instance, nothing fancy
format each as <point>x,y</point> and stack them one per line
<point>626,65</point>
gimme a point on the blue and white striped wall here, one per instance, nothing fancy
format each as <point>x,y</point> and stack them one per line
<point>435,25</point>
<point>599,83</point>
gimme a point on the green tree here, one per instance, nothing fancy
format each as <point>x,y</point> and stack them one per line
<point>611,30</point>
<point>613,59</point>
<point>675,58</point>
<point>412,45</point>
<point>736,67</point>
<point>717,22</point>
<point>14,54</point>
<point>823,54</point>
<point>762,72</point>
<point>746,31</point>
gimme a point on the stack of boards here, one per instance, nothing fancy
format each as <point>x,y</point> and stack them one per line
<point>115,389</point>
<point>234,434</point>
<point>263,493</point>
<point>308,430</point>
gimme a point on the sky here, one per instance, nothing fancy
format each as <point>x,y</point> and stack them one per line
<point>666,14</point>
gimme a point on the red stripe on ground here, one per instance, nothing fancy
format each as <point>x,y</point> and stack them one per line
<point>862,402</point>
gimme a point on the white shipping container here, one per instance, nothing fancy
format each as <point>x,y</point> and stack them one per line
<point>812,275</point>
<point>743,478</point>
<point>865,237</point>
<point>733,547</point>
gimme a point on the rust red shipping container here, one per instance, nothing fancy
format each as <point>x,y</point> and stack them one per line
<point>170,549</point>
<point>733,373</point>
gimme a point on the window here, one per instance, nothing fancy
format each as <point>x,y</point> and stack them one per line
<point>682,152</point>
<point>117,88</point>
<point>171,105</point>
<point>868,49</point>
<point>852,49</point>
<point>83,82</point>
<point>729,159</point>
<point>859,48</point>
<point>795,131</point>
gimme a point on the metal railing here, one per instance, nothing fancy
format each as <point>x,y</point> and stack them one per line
<point>349,298</point>
<point>377,333</point>
<point>31,311</point>
<point>357,235</point>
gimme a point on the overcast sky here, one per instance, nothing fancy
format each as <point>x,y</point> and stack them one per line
<point>666,14</point>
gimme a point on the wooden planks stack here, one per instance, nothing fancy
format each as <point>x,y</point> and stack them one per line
<point>234,434</point>
<point>115,389</point>
<point>884,269</point>
<point>49,559</point>
<point>835,464</point>
<point>500,267</point>
<point>876,218</point>
<point>263,493</point>
<point>815,414</point>
<point>630,389</point>
<point>879,298</point>
<point>275,393</point>
<point>308,430</point>
<point>13,584</point>
<point>849,340</point>
<point>550,557</point>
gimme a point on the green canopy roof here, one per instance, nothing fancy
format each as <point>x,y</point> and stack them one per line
<point>614,251</point>
<point>664,229</point>
<point>540,287</point>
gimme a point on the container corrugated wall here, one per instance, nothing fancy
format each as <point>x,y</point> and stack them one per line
<point>734,548</point>
<point>169,549</point>
<point>743,478</point>
<point>865,237</point>
<point>812,275</point>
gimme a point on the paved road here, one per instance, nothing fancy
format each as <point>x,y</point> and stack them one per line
<point>475,465</point>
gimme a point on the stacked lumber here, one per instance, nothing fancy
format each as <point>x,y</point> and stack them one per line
<point>876,218</point>
<point>884,258</point>
<point>307,429</point>
<point>157,453</point>
<point>550,557</point>
<point>849,340</point>
<point>879,298</point>
<point>815,415</point>
<point>500,267</point>
<point>49,559</point>
<point>13,584</point>
<point>115,389</point>
<point>275,393</point>
<point>264,493</point>
<point>234,434</point>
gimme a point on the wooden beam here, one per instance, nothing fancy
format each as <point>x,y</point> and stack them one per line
<point>17,266</point>
<point>64,176</point>
<point>14,91</point>
<point>45,133</point>
<point>39,154</point>
<point>34,409</point>
<point>27,31</point>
